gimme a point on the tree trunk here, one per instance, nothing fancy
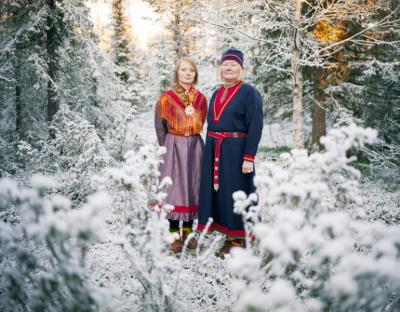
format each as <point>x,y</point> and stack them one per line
<point>318,116</point>
<point>18,79</point>
<point>298,83</point>
<point>18,99</point>
<point>51,44</point>
<point>177,36</point>
<point>16,19</point>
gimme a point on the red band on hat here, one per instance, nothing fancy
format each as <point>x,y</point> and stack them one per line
<point>232,55</point>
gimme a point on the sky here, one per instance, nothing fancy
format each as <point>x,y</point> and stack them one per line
<point>143,19</point>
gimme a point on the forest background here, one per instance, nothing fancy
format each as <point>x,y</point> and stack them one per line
<point>79,163</point>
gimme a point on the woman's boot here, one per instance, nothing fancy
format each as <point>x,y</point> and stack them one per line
<point>176,245</point>
<point>192,243</point>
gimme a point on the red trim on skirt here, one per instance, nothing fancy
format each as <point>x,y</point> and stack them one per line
<point>218,227</point>
<point>193,208</point>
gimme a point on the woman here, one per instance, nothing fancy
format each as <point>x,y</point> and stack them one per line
<point>235,122</point>
<point>179,118</point>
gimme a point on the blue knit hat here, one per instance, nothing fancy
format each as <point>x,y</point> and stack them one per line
<point>233,55</point>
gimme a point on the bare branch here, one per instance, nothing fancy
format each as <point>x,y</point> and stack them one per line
<point>235,29</point>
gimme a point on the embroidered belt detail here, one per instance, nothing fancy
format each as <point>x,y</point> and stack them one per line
<point>220,136</point>
<point>181,133</point>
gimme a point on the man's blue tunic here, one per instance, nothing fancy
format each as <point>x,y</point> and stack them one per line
<point>244,113</point>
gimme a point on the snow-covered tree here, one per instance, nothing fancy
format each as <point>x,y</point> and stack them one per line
<point>287,48</point>
<point>126,55</point>
<point>178,24</point>
<point>370,75</point>
<point>160,70</point>
<point>83,79</point>
<point>120,38</point>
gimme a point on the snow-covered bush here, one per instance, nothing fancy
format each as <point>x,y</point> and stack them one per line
<point>42,255</point>
<point>145,232</point>
<point>77,152</point>
<point>378,203</point>
<point>384,163</point>
<point>156,280</point>
<point>307,253</point>
<point>72,157</point>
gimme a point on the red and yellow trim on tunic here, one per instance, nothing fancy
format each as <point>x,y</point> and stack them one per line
<point>172,104</point>
<point>249,157</point>
<point>219,106</point>
<point>223,229</point>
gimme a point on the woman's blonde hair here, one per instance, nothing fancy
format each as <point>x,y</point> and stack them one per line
<point>220,73</point>
<point>192,63</point>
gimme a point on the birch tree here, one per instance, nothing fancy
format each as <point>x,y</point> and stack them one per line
<point>298,79</point>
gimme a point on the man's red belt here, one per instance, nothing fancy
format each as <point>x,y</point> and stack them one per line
<point>220,136</point>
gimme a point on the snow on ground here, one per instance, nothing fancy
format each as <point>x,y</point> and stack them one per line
<point>111,269</point>
<point>210,282</point>
<point>276,135</point>
<point>109,264</point>
<point>378,203</point>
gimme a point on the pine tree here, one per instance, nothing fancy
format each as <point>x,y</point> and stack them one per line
<point>49,58</point>
<point>125,54</point>
<point>53,38</point>
<point>368,88</point>
<point>20,44</point>
<point>160,71</point>
<point>120,39</point>
<point>179,24</point>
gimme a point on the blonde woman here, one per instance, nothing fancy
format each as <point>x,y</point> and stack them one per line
<point>235,122</point>
<point>179,118</point>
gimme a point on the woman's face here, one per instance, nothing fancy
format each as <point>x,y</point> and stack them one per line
<point>230,71</point>
<point>186,73</point>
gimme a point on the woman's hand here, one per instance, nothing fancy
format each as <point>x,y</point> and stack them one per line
<point>247,167</point>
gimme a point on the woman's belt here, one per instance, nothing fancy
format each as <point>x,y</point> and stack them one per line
<point>172,131</point>
<point>220,136</point>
